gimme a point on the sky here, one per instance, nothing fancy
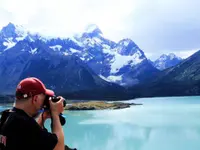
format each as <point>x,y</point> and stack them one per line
<point>156,26</point>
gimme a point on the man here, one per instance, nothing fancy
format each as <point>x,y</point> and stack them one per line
<point>19,128</point>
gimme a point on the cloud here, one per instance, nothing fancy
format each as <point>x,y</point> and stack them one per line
<point>166,26</point>
<point>63,17</point>
<point>156,26</point>
<point>185,54</point>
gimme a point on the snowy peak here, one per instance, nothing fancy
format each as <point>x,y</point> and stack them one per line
<point>13,31</point>
<point>128,48</point>
<point>8,31</point>
<point>170,56</point>
<point>11,34</point>
<point>92,30</point>
<point>173,56</point>
<point>166,61</point>
<point>126,42</point>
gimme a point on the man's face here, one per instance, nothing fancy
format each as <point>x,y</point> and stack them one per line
<point>38,101</point>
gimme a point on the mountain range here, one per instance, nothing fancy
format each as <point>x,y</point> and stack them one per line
<point>86,65</point>
<point>182,79</point>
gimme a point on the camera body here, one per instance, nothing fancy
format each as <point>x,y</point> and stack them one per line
<point>54,99</point>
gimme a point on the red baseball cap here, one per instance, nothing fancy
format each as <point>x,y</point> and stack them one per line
<point>31,86</point>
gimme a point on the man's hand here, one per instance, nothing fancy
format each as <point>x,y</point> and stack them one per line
<point>56,107</point>
<point>46,115</point>
<point>42,117</point>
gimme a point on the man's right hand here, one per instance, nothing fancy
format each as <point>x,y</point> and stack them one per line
<point>56,107</point>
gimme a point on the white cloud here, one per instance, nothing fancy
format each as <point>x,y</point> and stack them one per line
<point>64,17</point>
<point>154,25</point>
<point>185,54</point>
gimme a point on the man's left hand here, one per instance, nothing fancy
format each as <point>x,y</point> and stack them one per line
<point>46,115</point>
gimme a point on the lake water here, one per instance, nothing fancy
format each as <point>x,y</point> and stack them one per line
<point>171,123</point>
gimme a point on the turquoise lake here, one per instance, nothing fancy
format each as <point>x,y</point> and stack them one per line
<point>170,123</point>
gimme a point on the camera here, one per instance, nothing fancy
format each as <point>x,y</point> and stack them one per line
<point>54,99</point>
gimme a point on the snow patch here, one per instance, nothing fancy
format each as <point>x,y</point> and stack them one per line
<point>33,51</point>
<point>31,39</point>
<point>65,53</point>
<point>126,43</point>
<point>21,31</point>
<point>82,58</point>
<point>85,54</point>
<point>119,61</point>
<point>115,78</point>
<point>20,38</point>
<point>104,78</point>
<point>56,47</point>
<point>9,44</point>
<point>74,50</point>
<point>111,78</point>
<point>106,46</point>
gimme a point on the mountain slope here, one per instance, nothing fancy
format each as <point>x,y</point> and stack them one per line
<point>182,79</point>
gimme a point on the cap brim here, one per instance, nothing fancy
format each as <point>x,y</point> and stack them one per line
<point>49,92</point>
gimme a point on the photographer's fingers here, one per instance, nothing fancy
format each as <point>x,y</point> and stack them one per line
<point>61,100</point>
<point>57,107</point>
<point>61,106</point>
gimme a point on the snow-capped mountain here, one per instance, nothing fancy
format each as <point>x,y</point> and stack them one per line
<point>63,74</point>
<point>166,61</point>
<point>123,62</point>
<point>11,34</point>
<point>115,62</point>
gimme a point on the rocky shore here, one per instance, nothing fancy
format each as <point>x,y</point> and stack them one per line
<point>98,105</point>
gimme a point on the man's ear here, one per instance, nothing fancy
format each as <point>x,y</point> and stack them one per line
<point>34,99</point>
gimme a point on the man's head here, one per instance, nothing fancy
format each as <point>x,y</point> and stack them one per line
<point>31,92</point>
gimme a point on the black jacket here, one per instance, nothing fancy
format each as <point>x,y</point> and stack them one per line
<point>18,131</point>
